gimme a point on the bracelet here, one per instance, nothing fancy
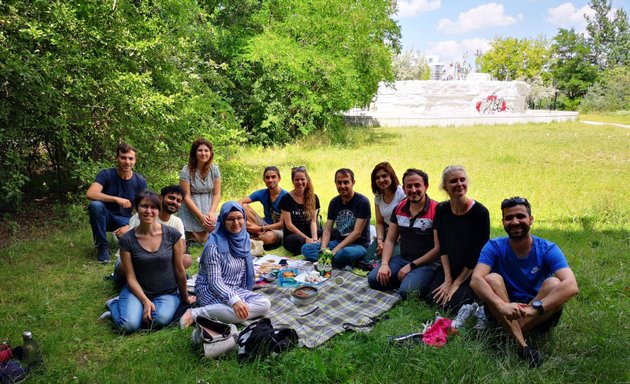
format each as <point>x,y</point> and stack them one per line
<point>379,239</point>
<point>412,266</point>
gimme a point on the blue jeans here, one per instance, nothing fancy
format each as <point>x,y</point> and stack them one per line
<point>415,282</point>
<point>347,256</point>
<point>102,220</point>
<point>127,310</point>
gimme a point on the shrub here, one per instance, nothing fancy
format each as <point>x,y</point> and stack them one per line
<point>610,93</point>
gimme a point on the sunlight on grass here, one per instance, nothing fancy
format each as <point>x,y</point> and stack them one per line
<point>568,171</point>
<point>620,117</point>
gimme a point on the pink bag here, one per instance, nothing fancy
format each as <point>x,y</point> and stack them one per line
<point>5,352</point>
<point>436,334</point>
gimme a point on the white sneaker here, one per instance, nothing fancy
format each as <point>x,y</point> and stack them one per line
<point>107,315</point>
<point>464,313</point>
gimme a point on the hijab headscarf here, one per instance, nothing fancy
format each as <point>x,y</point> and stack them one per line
<point>236,244</point>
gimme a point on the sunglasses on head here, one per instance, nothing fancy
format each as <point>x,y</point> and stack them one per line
<point>512,201</point>
<point>300,168</point>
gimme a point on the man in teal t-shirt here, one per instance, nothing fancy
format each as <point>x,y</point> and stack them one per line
<point>267,229</point>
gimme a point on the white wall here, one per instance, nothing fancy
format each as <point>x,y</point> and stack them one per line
<point>451,98</point>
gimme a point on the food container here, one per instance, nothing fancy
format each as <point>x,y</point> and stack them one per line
<point>269,277</point>
<point>286,277</point>
<point>304,295</point>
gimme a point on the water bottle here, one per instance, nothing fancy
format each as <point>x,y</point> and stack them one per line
<point>33,359</point>
<point>324,263</point>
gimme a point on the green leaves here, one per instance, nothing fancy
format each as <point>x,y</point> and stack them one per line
<point>78,77</point>
<point>571,68</point>
<point>305,62</point>
<point>516,59</point>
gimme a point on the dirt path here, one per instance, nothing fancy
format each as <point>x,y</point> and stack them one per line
<point>600,123</point>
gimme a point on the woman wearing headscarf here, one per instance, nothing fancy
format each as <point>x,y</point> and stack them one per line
<point>226,273</point>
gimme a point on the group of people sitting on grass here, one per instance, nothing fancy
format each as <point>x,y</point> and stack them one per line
<point>439,252</point>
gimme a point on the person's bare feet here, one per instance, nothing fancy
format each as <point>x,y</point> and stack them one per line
<point>186,320</point>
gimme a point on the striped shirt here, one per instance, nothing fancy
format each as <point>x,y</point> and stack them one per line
<point>416,232</point>
<point>221,278</point>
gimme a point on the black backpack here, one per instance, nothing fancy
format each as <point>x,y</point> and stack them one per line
<point>260,339</point>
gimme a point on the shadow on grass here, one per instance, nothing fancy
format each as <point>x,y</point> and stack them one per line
<point>54,287</point>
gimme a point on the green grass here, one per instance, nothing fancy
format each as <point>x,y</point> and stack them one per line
<point>575,175</point>
<point>621,117</point>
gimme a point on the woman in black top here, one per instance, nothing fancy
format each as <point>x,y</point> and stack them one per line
<point>299,210</point>
<point>463,227</point>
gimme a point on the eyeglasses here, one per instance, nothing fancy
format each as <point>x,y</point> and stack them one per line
<point>300,168</point>
<point>234,219</point>
<point>512,201</point>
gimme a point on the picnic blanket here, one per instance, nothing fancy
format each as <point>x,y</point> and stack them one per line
<point>351,302</point>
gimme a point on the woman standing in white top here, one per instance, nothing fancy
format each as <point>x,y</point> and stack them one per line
<point>387,194</point>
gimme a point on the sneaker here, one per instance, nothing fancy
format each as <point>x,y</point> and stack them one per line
<point>482,320</point>
<point>107,315</point>
<point>533,357</point>
<point>108,302</point>
<point>464,313</point>
<point>103,256</point>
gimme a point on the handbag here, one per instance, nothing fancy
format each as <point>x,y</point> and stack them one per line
<point>260,339</point>
<point>216,337</point>
<point>257,247</point>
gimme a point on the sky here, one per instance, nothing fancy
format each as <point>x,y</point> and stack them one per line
<point>455,29</point>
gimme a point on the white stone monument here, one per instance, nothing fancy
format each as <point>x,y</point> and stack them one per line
<point>477,100</point>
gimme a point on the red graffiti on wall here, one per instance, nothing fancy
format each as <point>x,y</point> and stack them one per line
<point>492,104</point>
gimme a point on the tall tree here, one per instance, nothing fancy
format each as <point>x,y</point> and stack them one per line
<point>297,63</point>
<point>571,69</point>
<point>511,58</point>
<point>609,37</point>
<point>410,65</point>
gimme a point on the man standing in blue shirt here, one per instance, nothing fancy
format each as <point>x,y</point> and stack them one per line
<point>267,229</point>
<point>349,213</point>
<point>112,193</point>
<point>523,279</point>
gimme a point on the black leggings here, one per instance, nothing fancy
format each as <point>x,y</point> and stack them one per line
<point>293,243</point>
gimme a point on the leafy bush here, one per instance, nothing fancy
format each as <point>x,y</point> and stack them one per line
<point>300,63</point>
<point>76,78</point>
<point>610,93</point>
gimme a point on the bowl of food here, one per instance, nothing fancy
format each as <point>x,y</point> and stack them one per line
<point>304,295</point>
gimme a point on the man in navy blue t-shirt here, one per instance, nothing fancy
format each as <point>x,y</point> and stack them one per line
<point>267,229</point>
<point>112,194</point>
<point>349,213</point>
<point>523,279</point>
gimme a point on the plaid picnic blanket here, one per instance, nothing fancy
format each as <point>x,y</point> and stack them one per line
<point>351,302</point>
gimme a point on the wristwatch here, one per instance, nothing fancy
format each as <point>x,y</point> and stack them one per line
<point>412,265</point>
<point>538,305</point>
